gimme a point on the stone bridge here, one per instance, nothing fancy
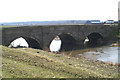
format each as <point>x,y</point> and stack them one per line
<point>41,36</point>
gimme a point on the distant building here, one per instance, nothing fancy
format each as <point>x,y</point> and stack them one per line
<point>93,22</point>
<point>96,22</point>
<point>109,22</point>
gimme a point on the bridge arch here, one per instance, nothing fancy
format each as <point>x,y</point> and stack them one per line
<point>32,42</point>
<point>68,41</point>
<point>93,39</point>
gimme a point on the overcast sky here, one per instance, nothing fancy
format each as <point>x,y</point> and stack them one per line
<point>47,10</point>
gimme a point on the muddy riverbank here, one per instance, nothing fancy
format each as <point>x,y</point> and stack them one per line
<point>108,54</point>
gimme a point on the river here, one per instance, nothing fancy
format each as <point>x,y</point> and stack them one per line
<point>105,54</point>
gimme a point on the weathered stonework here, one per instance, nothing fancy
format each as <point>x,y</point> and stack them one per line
<point>45,34</point>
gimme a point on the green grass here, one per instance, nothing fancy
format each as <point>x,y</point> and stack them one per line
<point>33,63</point>
<point>7,26</point>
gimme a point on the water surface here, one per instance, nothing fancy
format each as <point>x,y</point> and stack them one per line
<point>106,54</point>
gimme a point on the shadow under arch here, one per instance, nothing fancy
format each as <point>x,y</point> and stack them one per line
<point>68,42</point>
<point>93,39</point>
<point>33,43</point>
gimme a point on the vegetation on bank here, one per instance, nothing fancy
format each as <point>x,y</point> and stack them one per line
<point>7,26</point>
<point>33,63</point>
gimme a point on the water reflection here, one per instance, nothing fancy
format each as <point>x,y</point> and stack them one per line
<point>110,55</point>
<point>106,54</point>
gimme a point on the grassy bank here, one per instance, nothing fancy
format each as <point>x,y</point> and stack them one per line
<point>7,26</point>
<point>32,63</point>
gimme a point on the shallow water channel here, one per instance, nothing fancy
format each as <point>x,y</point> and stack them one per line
<point>106,54</point>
